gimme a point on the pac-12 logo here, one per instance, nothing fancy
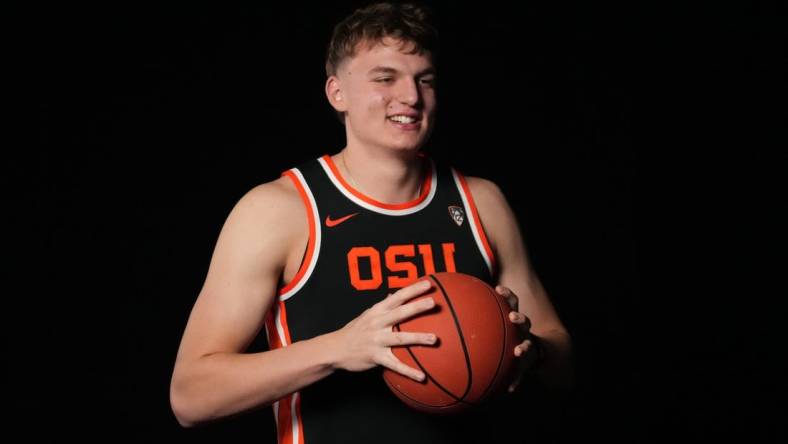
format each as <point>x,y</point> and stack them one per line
<point>367,265</point>
<point>457,215</point>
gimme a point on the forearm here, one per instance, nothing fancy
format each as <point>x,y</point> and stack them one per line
<point>222,384</point>
<point>556,370</point>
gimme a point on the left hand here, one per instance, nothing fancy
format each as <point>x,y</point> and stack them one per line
<point>525,350</point>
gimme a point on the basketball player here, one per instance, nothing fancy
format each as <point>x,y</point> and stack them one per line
<point>324,259</point>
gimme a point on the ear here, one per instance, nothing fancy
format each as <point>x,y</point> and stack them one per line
<point>334,94</point>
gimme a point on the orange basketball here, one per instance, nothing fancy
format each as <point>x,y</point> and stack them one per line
<point>474,356</point>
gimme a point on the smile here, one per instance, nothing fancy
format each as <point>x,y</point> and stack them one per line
<point>402,119</point>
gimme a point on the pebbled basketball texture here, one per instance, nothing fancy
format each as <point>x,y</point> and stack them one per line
<point>473,358</point>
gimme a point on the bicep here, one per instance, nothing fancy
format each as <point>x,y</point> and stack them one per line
<point>241,282</point>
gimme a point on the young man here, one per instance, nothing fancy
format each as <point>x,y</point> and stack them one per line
<point>324,258</point>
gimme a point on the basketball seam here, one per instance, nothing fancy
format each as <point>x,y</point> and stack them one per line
<point>416,401</point>
<point>429,375</point>
<point>464,348</point>
<point>462,337</point>
<point>501,355</point>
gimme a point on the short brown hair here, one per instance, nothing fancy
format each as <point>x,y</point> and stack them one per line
<point>406,22</point>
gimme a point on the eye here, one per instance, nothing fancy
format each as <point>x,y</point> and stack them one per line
<point>428,81</point>
<point>383,79</point>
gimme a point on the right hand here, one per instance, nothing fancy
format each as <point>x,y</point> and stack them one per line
<point>366,341</point>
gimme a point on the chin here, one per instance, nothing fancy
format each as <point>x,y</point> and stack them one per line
<point>410,143</point>
<point>407,147</point>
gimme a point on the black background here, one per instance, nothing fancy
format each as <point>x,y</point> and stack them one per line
<point>639,146</point>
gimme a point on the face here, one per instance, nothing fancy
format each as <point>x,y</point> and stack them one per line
<point>388,96</point>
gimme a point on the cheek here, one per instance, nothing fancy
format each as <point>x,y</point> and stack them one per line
<point>367,104</point>
<point>430,98</point>
<point>431,108</point>
<point>375,105</point>
<point>377,98</point>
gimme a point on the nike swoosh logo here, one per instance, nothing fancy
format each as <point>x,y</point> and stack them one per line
<point>335,222</point>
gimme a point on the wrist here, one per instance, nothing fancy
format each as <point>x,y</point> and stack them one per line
<point>331,353</point>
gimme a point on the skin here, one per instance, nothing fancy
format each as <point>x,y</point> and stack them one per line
<point>259,251</point>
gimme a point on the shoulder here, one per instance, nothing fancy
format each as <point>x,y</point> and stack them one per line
<point>269,216</point>
<point>486,193</point>
<point>280,195</point>
<point>270,202</point>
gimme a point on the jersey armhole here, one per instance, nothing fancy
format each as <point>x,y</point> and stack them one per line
<point>476,224</point>
<point>307,259</point>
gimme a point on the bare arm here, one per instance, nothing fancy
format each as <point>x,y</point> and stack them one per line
<point>212,377</point>
<point>516,273</point>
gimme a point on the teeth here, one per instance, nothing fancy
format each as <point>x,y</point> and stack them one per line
<point>402,119</point>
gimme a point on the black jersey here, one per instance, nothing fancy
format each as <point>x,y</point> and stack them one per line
<point>359,251</point>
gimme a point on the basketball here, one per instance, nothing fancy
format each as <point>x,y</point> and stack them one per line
<point>474,356</point>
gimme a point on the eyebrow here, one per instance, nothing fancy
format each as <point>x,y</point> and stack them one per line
<point>390,70</point>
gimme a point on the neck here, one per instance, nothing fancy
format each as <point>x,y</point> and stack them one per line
<point>390,177</point>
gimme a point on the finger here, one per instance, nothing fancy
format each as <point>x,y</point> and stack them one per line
<point>521,366</point>
<point>520,318</point>
<point>408,310</point>
<point>391,362</point>
<point>406,293</point>
<point>522,348</point>
<point>510,297</point>
<point>409,338</point>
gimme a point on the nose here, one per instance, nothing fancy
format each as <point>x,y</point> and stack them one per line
<point>409,93</point>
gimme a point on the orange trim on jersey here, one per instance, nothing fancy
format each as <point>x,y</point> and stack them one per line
<point>273,333</point>
<point>301,437</point>
<point>425,188</point>
<point>285,422</point>
<point>287,430</point>
<point>310,249</point>
<point>284,418</point>
<point>283,320</point>
<point>478,221</point>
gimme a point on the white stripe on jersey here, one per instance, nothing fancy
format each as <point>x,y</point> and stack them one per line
<point>375,208</point>
<point>472,220</point>
<point>316,252</point>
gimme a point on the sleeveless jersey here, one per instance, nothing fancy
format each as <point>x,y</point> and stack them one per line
<point>359,251</point>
